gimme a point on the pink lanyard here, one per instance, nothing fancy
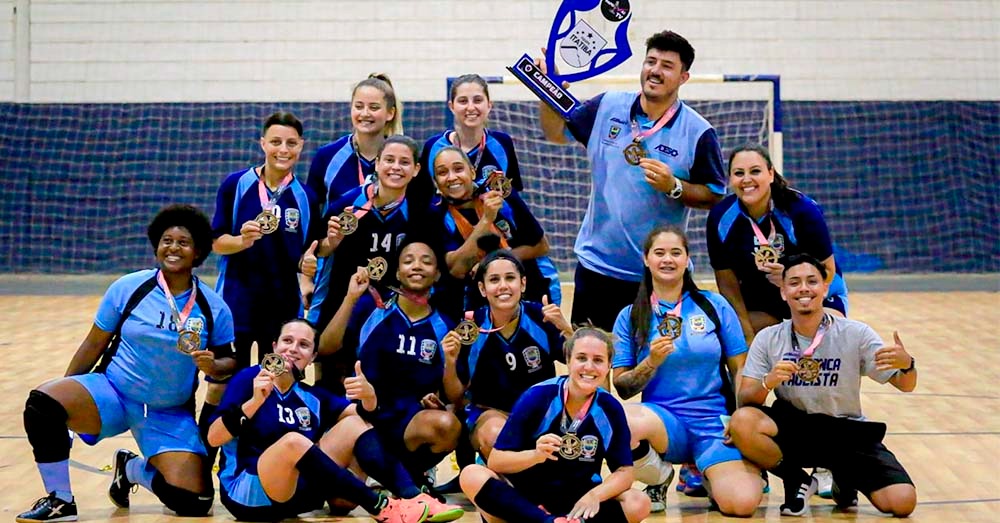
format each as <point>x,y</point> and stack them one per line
<point>761,240</point>
<point>638,136</point>
<point>371,193</point>
<point>178,317</point>
<point>580,416</point>
<point>823,326</point>
<point>654,300</point>
<point>470,315</point>
<point>266,203</point>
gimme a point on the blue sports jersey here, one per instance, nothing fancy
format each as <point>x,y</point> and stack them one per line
<point>304,409</point>
<point>261,282</point>
<point>401,358</point>
<point>377,235</point>
<point>604,436</point>
<point>623,208</point>
<point>334,171</point>
<point>147,367</point>
<point>499,155</point>
<point>801,228</point>
<point>688,382</point>
<point>498,370</point>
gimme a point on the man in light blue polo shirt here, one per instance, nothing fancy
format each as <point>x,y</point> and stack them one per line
<point>652,158</point>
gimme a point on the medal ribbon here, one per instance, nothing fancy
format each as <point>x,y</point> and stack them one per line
<point>465,228</point>
<point>268,204</point>
<point>761,240</point>
<point>470,315</point>
<point>580,416</point>
<point>823,326</point>
<point>371,192</point>
<point>638,136</point>
<point>654,300</point>
<point>357,153</point>
<point>479,157</point>
<point>419,299</point>
<point>178,317</point>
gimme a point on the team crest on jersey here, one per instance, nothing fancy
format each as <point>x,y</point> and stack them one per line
<point>304,417</point>
<point>614,132</point>
<point>582,44</point>
<point>427,350</point>
<point>588,448</point>
<point>533,357</point>
<point>698,323</point>
<point>779,243</point>
<point>292,220</point>
<point>194,324</point>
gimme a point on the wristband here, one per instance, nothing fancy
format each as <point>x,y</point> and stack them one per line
<point>233,419</point>
<point>763,383</point>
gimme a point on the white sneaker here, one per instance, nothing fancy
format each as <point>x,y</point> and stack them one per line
<point>657,497</point>
<point>825,481</point>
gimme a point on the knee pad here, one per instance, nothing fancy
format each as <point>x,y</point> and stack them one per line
<point>184,502</point>
<point>45,425</point>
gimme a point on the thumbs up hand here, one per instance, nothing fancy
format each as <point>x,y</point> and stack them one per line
<point>553,314</point>
<point>359,388</point>
<point>308,264</point>
<point>893,356</point>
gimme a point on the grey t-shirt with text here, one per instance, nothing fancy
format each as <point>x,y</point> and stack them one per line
<point>846,353</point>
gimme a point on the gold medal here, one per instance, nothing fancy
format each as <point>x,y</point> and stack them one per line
<point>377,267</point>
<point>570,447</point>
<point>634,152</point>
<point>268,222</point>
<point>467,331</point>
<point>808,369</point>
<point>273,363</point>
<point>499,182</point>
<point>670,327</point>
<point>765,254</point>
<point>348,222</point>
<point>188,341</point>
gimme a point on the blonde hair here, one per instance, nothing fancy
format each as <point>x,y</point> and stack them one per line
<point>381,82</point>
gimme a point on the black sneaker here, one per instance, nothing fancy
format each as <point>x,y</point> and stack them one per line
<point>121,487</point>
<point>49,508</point>
<point>844,498</point>
<point>797,501</point>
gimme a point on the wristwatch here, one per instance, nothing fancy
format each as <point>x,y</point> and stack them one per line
<point>913,365</point>
<point>678,189</point>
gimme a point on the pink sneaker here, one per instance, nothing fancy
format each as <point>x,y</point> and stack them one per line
<point>402,511</point>
<point>568,520</point>
<point>437,511</point>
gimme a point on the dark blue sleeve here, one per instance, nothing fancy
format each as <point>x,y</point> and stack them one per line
<point>331,407</point>
<point>317,172</point>
<point>513,171</point>
<point>519,430</point>
<point>238,391</point>
<point>716,249</point>
<point>708,167</point>
<point>528,230</point>
<point>811,229</point>
<point>619,449</point>
<point>222,222</point>
<point>581,120</point>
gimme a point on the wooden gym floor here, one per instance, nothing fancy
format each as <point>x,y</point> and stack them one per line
<point>946,433</point>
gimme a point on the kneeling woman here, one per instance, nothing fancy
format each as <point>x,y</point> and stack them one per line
<point>518,344</point>
<point>287,443</point>
<point>551,450</point>
<point>670,346</point>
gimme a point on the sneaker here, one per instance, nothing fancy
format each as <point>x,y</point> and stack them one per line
<point>825,480</point>
<point>430,476</point>
<point>49,508</point>
<point>565,519</point>
<point>694,486</point>
<point>373,483</point>
<point>844,498</point>
<point>797,501</point>
<point>402,511</point>
<point>657,495</point>
<point>121,487</point>
<point>438,511</point>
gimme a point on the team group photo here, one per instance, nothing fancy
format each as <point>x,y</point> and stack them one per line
<point>547,261</point>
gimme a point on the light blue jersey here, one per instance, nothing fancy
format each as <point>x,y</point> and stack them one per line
<point>623,208</point>
<point>688,383</point>
<point>148,368</point>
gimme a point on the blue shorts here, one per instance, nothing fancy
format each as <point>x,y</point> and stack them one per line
<point>391,425</point>
<point>155,429</point>
<point>695,439</point>
<point>245,499</point>
<point>473,413</point>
